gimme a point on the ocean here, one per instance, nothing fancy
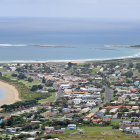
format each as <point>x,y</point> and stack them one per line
<point>71,39</point>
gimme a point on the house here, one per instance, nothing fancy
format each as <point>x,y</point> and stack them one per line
<point>99,115</point>
<point>49,128</point>
<point>103,111</point>
<point>106,119</point>
<point>11,130</point>
<point>134,130</point>
<point>59,131</point>
<point>85,110</point>
<point>34,122</point>
<point>65,86</point>
<point>30,138</point>
<point>113,111</point>
<point>13,68</point>
<point>90,115</point>
<point>33,133</point>
<point>71,127</point>
<point>135,107</point>
<point>77,100</point>
<point>48,131</point>
<point>96,120</point>
<point>70,115</point>
<point>46,114</point>
<point>65,110</point>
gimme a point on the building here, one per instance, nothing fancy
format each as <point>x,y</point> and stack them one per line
<point>71,127</point>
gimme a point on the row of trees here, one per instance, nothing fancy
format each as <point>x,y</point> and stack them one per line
<point>19,105</point>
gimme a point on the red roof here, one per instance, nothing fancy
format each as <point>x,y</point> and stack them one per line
<point>111,107</point>
<point>6,118</point>
<point>59,81</point>
<point>133,90</point>
<point>135,117</point>
<point>96,120</point>
<point>107,118</point>
<point>46,74</point>
<point>128,107</point>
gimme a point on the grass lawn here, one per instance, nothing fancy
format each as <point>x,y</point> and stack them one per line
<point>50,99</point>
<point>26,83</point>
<point>94,128</point>
<point>8,75</point>
<point>103,96</point>
<point>115,122</point>
<point>134,72</point>
<point>105,133</point>
<point>138,75</point>
<point>29,84</point>
<point>24,92</point>
<point>94,71</point>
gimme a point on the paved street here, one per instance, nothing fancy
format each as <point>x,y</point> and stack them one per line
<point>108,95</point>
<point>59,94</point>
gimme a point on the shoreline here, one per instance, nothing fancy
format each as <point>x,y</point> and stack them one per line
<point>67,61</point>
<point>11,94</point>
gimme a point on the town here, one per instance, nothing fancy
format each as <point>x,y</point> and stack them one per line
<point>63,101</point>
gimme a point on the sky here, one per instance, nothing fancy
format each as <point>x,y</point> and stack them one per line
<point>102,9</point>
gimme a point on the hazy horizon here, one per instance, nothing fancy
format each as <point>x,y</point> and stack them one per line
<point>67,25</point>
<point>93,9</point>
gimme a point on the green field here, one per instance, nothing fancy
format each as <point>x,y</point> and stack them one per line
<point>26,83</point>
<point>96,133</point>
<point>29,84</point>
<point>115,122</point>
<point>49,99</point>
<point>94,71</point>
<point>8,75</point>
<point>24,92</point>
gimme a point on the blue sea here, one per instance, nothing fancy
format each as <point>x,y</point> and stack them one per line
<point>82,39</point>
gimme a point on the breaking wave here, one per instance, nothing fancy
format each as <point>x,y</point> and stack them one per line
<point>10,45</point>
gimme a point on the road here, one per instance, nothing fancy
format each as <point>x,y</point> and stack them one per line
<point>59,94</point>
<point>108,95</point>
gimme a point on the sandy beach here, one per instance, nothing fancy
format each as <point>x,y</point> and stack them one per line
<point>11,94</point>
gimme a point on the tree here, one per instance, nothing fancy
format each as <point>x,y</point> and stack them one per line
<point>138,65</point>
<point>34,88</point>
<point>20,70</point>
<point>0,74</point>
<point>43,80</point>
<point>131,65</point>
<point>70,64</point>
<point>115,127</point>
<point>21,76</point>
<point>47,69</point>
<point>30,79</point>
<point>14,75</point>
<point>123,109</point>
<point>49,83</point>
<point>128,74</point>
<point>15,120</point>
<point>40,86</point>
<point>26,66</point>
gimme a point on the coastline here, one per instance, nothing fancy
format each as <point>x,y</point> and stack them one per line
<point>67,61</point>
<point>11,94</point>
